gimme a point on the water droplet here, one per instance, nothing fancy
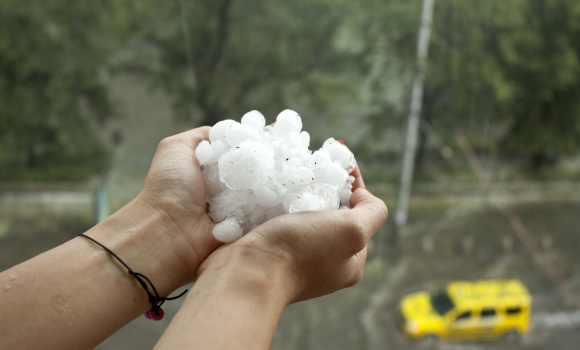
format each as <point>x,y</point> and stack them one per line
<point>60,303</point>
<point>7,287</point>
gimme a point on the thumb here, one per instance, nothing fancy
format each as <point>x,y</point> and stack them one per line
<point>359,195</point>
<point>365,205</point>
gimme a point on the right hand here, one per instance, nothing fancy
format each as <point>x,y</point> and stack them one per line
<point>315,252</point>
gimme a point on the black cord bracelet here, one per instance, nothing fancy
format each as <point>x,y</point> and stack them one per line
<point>156,313</point>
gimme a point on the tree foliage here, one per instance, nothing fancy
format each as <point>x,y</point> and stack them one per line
<point>50,90</point>
<point>539,50</point>
<point>492,63</point>
<point>512,62</point>
<point>217,58</point>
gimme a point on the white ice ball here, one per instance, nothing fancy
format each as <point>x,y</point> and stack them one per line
<point>228,230</point>
<point>333,174</point>
<point>253,172</point>
<point>254,119</point>
<point>345,196</point>
<point>204,152</point>
<point>288,121</point>
<point>246,165</point>
<point>319,159</point>
<point>340,153</point>
<point>310,198</point>
<point>218,131</point>
<point>305,136</point>
<point>238,133</point>
<point>211,181</point>
<point>219,148</point>
<point>225,203</point>
<point>266,197</point>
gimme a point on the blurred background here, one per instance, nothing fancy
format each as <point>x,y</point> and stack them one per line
<point>470,135</point>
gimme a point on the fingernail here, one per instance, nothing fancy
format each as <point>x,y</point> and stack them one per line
<point>368,190</point>
<point>341,141</point>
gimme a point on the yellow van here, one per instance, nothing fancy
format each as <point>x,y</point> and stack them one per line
<point>467,311</point>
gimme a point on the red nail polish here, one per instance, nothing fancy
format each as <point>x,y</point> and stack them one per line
<point>341,141</point>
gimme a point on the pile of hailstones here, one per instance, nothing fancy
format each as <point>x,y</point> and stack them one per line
<point>253,172</point>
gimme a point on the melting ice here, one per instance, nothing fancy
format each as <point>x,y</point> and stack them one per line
<point>253,172</point>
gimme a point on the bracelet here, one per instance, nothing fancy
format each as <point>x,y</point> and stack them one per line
<point>156,313</point>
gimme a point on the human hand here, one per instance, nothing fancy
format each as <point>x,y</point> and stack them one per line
<point>77,294</point>
<point>313,253</point>
<point>242,287</point>
<point>174,191</point>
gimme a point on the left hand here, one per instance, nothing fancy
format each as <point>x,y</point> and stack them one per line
<point>174,190</point>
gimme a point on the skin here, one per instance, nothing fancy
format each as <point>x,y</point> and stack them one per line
<point>76,295</point>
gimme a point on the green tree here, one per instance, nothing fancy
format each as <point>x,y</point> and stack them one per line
<point>514,63</point>
<point>218,59</point>
<point>51,94</point>
<point>539,50</point>
<point>492,63</point>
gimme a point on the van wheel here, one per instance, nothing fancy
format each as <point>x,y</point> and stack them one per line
<point>429,340</point>
<point>512,336</point>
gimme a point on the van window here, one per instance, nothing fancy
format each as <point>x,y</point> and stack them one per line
<point>441,301</point>
<point>488,313</point>
<point>513,310</point>
<point>464,316</point>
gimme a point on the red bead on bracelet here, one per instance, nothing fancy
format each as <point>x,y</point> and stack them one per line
<point>155,315</point>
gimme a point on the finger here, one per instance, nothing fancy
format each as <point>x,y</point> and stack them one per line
<point>190,139</point>
<point>347,231</point>
<point>366,203</point>
<point>194,135</point>
<point>368,212</point>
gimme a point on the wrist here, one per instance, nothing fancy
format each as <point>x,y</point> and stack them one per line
<point>144,239</point>
<point>186,231</point>
<point>228,280</point>
<point>251,270</point>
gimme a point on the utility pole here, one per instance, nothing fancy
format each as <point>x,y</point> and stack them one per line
<point>414,118</point>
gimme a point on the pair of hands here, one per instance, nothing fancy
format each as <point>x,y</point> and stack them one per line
<point>317,252</point>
